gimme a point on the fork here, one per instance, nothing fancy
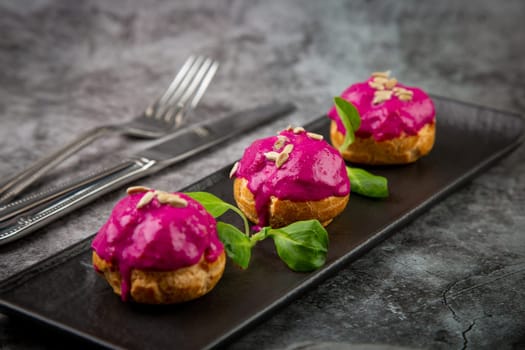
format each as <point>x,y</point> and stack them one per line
<point>163,116</point>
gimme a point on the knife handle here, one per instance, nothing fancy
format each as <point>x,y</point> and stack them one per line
<point>22,205</point>
<point>42,215</point>
<point>20,181</point>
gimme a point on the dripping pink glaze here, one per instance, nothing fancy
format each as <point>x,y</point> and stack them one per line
<point>389,119</point>
<point>156,237</point>
<point>313,171</point>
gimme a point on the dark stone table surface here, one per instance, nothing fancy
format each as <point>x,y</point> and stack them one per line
<point>452,279</point>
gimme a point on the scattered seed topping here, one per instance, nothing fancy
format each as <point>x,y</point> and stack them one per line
<point>137,189</point>
<point>271,155</point>
<point>281,159</point>
<point>380,80</point>
<point>234,169</point>
<point>381,96</point>
<point>385,74</point>
<point>382,83</point>
<point>386,86</point>
<point>288,128</point>
<point>403,94</point>
<point>400,91</point>
<point>162,196</point>
<point>376,85</point>
<point>174,200</point>
<point>298,130</point>
<point>390,83</point>
<point>178,202</point>
<point>281,140</point>
<point>145,199</point>
<point>314,136</point>
<point>171,199</point>
<point>288,148</point>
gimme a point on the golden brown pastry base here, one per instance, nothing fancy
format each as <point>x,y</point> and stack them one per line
<point>402,150</point>
<point>166,287</point>
<point>285,212</point>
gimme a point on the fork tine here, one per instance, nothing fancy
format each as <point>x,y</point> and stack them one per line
<point>168,99</point>
<point>199,87</point>
<point>204,85</point>
<point>177,80</point>
<point>196,82</point>
<point>153,109</point>
<point>176,93</point>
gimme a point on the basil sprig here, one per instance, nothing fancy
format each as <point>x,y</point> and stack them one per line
<point>361,181</point>
<point>216,206</point>
<point>366,184</point>
<point>238,246</point>
<point>302,245</point>
<point>350,118</point>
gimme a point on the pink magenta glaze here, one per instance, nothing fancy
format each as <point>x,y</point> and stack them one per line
<point>157,237</point>
<point>313,171</point>
<point>389,119</point>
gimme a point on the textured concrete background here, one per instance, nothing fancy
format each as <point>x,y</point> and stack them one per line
<point>454,278</point>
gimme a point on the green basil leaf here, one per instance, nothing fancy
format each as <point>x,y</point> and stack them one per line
<point>217,207</point>
<point>213,204</point>
<point>350,119</point>
<point>237,244</point>
<point>302,245</point>
<point>367,184</point>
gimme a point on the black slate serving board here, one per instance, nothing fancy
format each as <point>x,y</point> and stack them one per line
<point>65,293</point>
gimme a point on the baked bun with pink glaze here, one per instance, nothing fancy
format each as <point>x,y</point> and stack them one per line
<point>159,248</point>
<point>397,122</point>
<point>293,176</point>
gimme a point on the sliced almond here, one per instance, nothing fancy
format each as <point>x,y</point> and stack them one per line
<point>405,97</point>
<point>314,136</point>
<point>234,169</point>
<point>281,159</point>
<point>146,198</point>
<point>137,189</point>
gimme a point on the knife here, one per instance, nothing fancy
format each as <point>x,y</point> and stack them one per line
<point>42,209</point>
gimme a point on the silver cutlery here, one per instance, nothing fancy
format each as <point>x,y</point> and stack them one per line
<point>160,118</point>
<point>164,153</point>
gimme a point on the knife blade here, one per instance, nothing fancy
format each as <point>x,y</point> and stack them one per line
<point>24,217</point>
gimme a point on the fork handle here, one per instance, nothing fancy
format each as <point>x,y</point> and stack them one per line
<point>20,181</point>
<point>21,226</point>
